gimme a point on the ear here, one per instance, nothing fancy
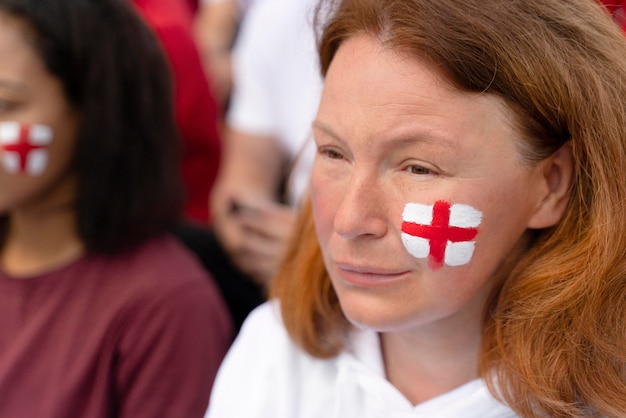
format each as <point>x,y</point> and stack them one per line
<point>557,177</point>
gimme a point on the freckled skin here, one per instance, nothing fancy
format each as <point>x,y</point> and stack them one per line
<point>390,131</point>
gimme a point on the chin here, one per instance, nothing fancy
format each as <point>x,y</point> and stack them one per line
<point>377,315</point>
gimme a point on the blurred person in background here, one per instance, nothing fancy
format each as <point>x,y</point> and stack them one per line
<point>216,27</point>
<point>198,117</point>
<point>275,93</point>
<point>197,113</point>
<point>102,313</point>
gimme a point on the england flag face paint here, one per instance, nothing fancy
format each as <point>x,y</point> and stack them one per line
<point>442,232</point>
<point>23,148</point>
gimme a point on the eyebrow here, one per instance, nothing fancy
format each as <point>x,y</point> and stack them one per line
<point>402,140</point>
<point>326,129</point>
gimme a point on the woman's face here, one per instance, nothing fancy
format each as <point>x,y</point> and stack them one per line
<point>37,126</point>
<point>418,190</point>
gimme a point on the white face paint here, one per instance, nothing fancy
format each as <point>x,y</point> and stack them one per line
<point>23,148</point>
<point>442,232</point>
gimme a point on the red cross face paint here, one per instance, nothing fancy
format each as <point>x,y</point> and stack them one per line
<point>443,233</point>
<point>23,148</point>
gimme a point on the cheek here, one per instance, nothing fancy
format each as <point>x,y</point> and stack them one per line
<point>324,200</point>
<point>443,233</point>
<point>25,148</point>
<point>32,159</point>
<point>504,225</point>
<point>501,230</point>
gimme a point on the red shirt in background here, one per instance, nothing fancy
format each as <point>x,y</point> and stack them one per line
<point>197,113</point>
<point>616,7</point>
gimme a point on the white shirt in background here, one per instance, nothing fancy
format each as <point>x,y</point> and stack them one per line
<point>276,80</point>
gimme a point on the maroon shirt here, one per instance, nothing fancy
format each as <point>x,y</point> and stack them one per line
<point>135,336</point>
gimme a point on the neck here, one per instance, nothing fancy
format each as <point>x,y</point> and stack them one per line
<point>425,363</point>
<point>39,241</point>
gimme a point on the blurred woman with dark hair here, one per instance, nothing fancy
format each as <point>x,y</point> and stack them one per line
<point>102,314</point>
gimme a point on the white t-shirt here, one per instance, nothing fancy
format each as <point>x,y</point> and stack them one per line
<point>265,375</point>
<point>276,79</point>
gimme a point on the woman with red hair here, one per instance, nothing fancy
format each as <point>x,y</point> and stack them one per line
<point>462,251</point>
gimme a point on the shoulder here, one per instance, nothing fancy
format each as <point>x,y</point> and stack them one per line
<point>262,323</point>
<point>162,292</point>
<point>261,346</point>
<point>159,278</point>
<point>165,268</point>
<point>163,261</point>
<point>159,266</point>
<point>267,370</point>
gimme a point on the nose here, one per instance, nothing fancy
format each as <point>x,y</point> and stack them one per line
<point>362,210</point>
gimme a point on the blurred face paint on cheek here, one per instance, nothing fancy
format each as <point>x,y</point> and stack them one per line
<point>441,232</point>
<point>23,148</point>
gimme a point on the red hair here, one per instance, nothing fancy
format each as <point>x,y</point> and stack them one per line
<point>554,339</point>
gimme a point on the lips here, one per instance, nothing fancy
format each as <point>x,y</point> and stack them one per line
<point>368,276</point>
